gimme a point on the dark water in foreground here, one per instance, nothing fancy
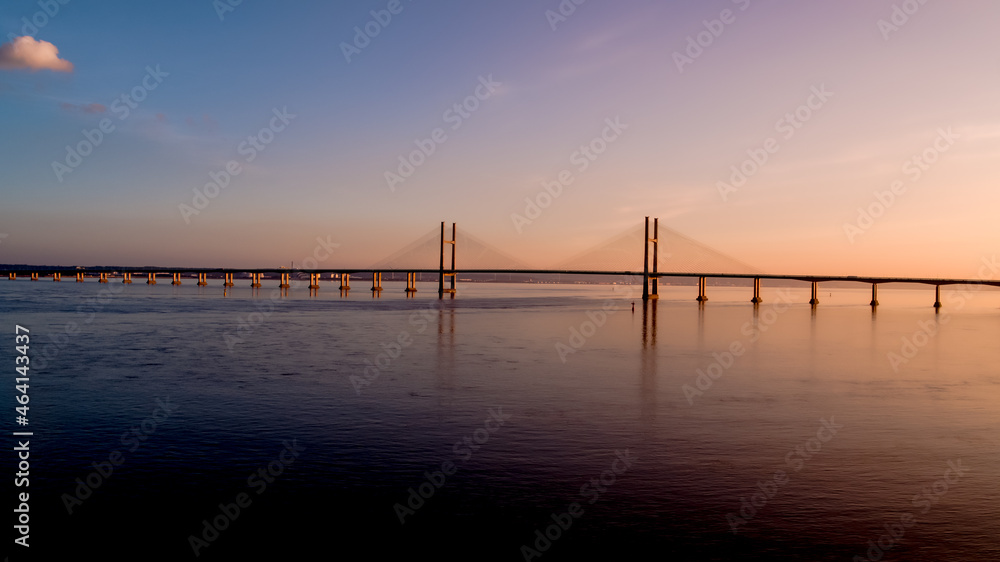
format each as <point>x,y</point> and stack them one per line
<point>811,440</point>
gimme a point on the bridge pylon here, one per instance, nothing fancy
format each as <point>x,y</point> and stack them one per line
<point>646,280</point>
<point>441,270</point>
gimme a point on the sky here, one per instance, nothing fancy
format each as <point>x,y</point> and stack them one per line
<point>856,137</point>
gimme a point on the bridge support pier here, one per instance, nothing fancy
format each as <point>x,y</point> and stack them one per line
<point>127,278</point>
<point>345,281</point>
<point>411,283</point>
<point>874,294</point>
<point>57,276</point>
<point>443,273</point>
<point>34,277</point>
<point>756,291</point>
<point>228,280</point>
<point>79,277</point>
<point>376,281</point>
<point>151,279</point>
<point>702,288</point>
<point>648,279</point>
<point>255,280</point>
<point>202,279</point>
<point>103,278</point>
<point>12,276</point>
<point>937,296</point>
<point>815,293</point>
<point>284,281</point>
<point>177,279</point>
<point>314,280</point>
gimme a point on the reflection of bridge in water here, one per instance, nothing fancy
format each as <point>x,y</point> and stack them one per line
<point>618,257</point>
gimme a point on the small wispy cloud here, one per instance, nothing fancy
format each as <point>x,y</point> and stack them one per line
<point>26,53</point>
<point>207,123</point>
<point>88,108</point>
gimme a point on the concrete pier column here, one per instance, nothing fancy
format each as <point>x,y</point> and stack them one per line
<point>34,277</point>
<point>345,281</point>
<point>255,280</point>
<point>12,276</point>
<point>228,280</point>
<point>376,281</point>
<point>57,276</point>
<point>103,278</point>
<point>79,277</point>
<point>815,293</point>
<point>202,279</point>
<point>874,294</point>
<point>127,278</point>
<point>176,279</point>
<point>151,279</point>
<point>756,291</point>
<point>314,280</point>
<point>284,281</point>
<point>411,284</point>
<point>702,286</point>
<point>937,296</point>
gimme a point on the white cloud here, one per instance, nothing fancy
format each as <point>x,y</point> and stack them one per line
<point>28,53</point>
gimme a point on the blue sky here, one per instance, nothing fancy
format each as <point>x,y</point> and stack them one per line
<point>323,175</point>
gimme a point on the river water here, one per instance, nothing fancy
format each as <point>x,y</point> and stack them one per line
<point>513,422</point>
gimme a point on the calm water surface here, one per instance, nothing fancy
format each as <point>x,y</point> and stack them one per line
<point>810,432</point>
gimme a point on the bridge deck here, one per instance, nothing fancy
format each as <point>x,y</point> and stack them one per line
<point>27,270</point>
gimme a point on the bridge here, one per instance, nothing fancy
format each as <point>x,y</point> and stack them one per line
<point>619,256</point>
